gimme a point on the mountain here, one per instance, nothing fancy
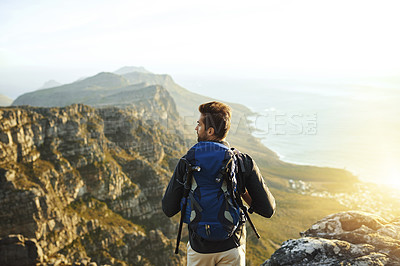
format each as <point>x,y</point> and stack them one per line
<point>83,184</point>
<point>76,92</point>
<point>109,89</point>
<point>347,238</point>
<point>50,84</point>
<point>104,84</point>
<point>5,101</point>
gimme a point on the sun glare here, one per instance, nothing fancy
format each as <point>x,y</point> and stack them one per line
<point>392,178</point>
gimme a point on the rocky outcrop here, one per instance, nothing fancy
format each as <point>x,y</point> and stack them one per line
<point>348,238</point>
<point>86,184</point>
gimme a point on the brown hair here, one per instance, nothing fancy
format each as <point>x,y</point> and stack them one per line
<point>218,116</point>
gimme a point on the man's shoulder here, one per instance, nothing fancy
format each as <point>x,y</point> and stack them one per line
<point>245,157</point>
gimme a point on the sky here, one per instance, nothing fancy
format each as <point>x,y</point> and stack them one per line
<point>67,40</point>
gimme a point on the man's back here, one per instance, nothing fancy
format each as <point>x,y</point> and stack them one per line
<point>250,181</point>
<point>212,212</point>
<point>212,128</point>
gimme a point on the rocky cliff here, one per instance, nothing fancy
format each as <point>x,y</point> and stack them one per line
<point>83,184</point>
<point>347,238</point>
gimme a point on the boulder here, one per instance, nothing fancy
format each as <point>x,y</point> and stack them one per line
<point>346,238</point>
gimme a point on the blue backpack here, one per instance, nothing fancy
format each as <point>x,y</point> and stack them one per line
<point>211,203</point>
<point>211,211</point>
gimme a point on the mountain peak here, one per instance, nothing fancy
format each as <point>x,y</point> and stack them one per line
<point>105,80</point>
<point>50,84</point>
<point>129,69</point>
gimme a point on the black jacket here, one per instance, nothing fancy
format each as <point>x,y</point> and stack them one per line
<point>263,203</point>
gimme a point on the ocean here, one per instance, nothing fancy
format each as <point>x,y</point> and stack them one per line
<point>349,123</point>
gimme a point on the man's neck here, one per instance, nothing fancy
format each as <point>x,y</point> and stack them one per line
<point>222,141</point>
<point>214,138</point>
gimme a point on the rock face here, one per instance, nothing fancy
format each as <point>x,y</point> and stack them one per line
<point>85,184</point>
<point>348,238</point>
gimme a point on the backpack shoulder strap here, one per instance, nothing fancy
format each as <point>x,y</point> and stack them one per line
<point>241,170</point>
<point>188,158</point>
<point>239,157</point>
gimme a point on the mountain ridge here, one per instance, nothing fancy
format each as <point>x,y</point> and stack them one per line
<point>184,98</point>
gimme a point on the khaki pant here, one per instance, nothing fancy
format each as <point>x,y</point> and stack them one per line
<point>234,256</point>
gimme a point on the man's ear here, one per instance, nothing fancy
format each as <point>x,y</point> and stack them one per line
<point>210,131</point>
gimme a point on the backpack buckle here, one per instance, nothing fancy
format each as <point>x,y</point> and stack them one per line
<point>208,231</point>
<point>218,178</point>
<point>196,168</point>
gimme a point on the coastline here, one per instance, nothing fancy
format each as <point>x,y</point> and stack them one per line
<point>361,179</point>
<point>260,135</point>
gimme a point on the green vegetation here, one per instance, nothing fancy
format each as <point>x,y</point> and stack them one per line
<point>91,209</point>
<point>90,245</point>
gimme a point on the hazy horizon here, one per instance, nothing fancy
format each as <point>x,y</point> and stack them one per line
<point>189,80</point>
<point>65,41</point>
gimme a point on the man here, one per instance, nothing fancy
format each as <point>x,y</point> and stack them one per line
<point>213,126</point>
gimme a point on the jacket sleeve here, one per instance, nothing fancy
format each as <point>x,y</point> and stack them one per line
<point>171,202</point>
<point>263,202</point>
